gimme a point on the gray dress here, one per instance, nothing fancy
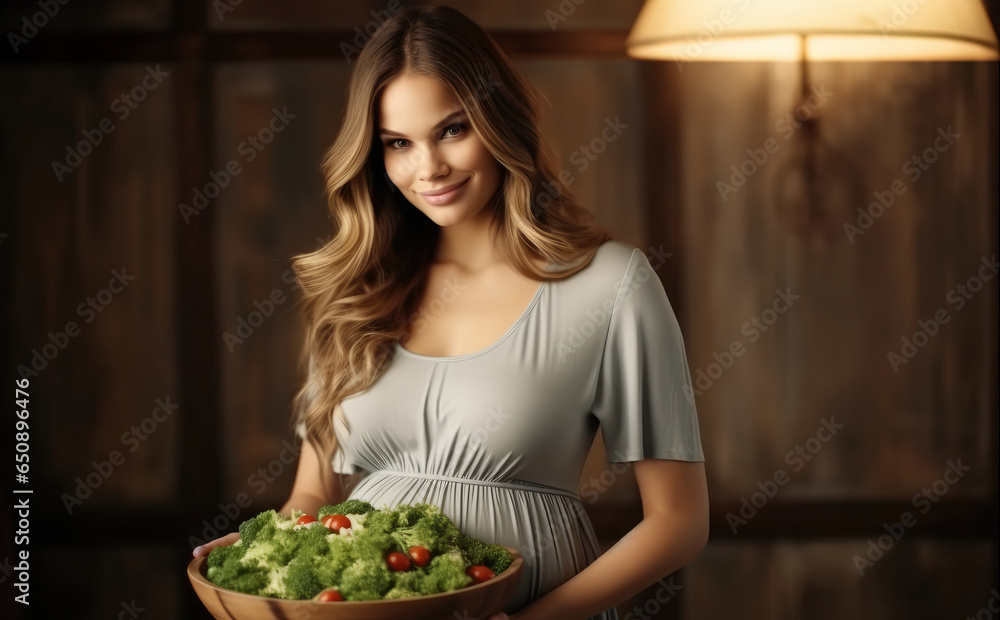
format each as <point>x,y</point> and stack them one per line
<point>498,438</point>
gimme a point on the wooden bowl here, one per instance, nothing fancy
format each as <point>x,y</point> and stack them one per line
<point>479,600</point>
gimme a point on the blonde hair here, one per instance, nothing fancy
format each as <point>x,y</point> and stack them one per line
<point>359,288</point>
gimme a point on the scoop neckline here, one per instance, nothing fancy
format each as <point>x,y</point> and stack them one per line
<point>510,330</point>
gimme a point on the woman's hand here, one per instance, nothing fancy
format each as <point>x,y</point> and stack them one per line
<point>228,539</point>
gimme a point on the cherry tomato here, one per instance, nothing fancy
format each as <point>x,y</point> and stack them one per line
<point>398,561</point>
<point>336,522</point>
<point>420,555</point>
<point>305,519</point>
<point>327,596</point>
<point>480,573</point>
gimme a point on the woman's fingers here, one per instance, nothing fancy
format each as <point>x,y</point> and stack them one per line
<point>228,539</point>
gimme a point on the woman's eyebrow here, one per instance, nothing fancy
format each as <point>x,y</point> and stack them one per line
<point>448,119</point>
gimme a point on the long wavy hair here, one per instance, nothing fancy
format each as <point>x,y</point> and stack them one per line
<point>359,288</point>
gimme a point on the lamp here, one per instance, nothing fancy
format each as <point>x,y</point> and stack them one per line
<point>763,30</point>
<point>811,30</point>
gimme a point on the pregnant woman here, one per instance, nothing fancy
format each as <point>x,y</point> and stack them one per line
<point>470,329</point>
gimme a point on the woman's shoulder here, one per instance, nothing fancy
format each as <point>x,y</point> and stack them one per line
<point>611,260</point>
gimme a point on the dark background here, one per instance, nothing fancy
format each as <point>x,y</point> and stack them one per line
<point>125,545</point>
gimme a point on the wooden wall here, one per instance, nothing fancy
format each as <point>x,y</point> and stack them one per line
<point>198,274</point>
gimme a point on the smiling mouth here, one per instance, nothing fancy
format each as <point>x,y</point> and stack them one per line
<point>443,190</point>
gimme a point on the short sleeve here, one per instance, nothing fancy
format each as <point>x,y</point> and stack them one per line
<point>341,461</point>
<point>643,398</point>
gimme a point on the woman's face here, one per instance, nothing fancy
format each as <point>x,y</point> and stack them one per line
<point>429,145</point>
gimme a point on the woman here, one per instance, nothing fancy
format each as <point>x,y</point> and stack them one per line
<point>471,328</point>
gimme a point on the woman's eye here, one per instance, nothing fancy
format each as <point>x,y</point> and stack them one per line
<point>451,131</point>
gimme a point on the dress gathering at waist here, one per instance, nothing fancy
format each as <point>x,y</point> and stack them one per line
<point>531,487</point>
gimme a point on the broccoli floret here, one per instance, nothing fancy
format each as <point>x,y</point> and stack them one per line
<point>498,558</point>
<point>398,592</point>
<point>330,568</point>
<point>426,526</point>
<point>225,553</point>
<point>373,545</point>
<point>317,560</point>
<point>302,580</point>
<point>276,582</point>
<point>367,579</point>
<point>350,507</point>
<point>445,572</point>
<point>411,579</point>
<point>493,555</point>
<point>251,528</point>
<point>226,570</point>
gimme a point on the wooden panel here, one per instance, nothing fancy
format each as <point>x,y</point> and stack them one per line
<point>913,579</point>
<point>61,16</point>
<point>272,209</point>
<point>595,119</point>
<point>546,16</point>
<point>827,356</point>
<point>72,234</point>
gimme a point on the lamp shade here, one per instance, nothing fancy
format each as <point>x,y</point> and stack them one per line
<point>689,30</point>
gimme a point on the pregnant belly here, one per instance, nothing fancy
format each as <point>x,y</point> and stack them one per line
<point>549,527</point>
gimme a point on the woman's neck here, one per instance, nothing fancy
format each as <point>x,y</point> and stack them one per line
<point>468,245</point>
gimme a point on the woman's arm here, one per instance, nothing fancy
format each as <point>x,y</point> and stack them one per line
<point>316,485</point>
<point>673,530</point>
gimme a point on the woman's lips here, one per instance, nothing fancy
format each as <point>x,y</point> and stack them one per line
<point>444,195</point>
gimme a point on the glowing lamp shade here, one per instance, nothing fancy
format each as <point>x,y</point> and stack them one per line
<point>776,30</point>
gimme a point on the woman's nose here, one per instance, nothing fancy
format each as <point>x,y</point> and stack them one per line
<point>431,164</point>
